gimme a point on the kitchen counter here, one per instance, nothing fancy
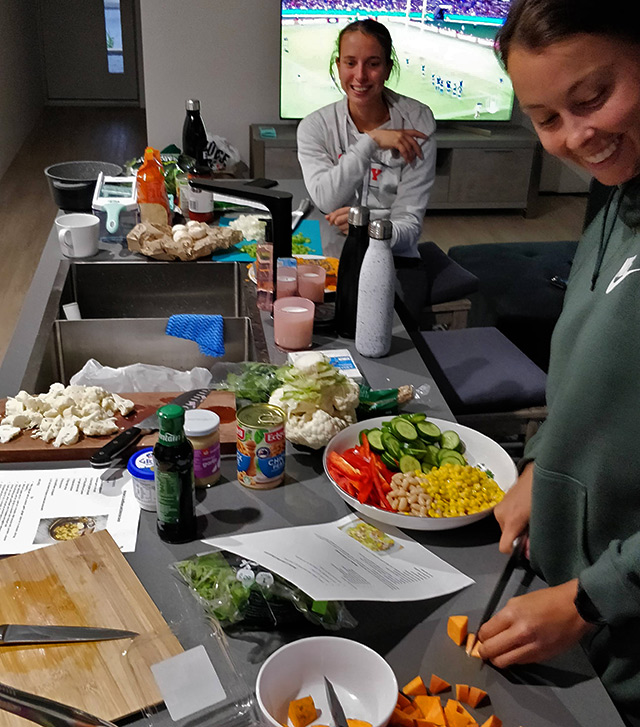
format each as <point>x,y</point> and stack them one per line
<point>411,636</point>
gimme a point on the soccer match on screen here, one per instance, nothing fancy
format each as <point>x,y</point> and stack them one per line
<point>444,50</point>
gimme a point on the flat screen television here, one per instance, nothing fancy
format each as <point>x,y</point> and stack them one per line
<point>444,49</point>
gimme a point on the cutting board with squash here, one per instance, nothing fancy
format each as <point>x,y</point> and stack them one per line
<point>24,448</point>
<point>83,582</point>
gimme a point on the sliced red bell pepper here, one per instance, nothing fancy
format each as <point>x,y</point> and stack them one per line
<point>366,449</point>
<point>343,466</point>
<point>355,459</point>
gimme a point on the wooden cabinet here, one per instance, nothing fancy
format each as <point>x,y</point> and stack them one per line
<point>497,168</point>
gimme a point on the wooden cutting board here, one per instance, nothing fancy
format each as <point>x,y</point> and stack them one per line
<point>83,582</point>
<point>24,448</point>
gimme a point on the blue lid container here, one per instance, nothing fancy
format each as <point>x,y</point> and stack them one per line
<point>140,467</point>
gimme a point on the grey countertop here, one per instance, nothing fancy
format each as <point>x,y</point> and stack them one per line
<point>412,635</point>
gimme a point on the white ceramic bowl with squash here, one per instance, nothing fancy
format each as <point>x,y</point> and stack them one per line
<point>365,684</point>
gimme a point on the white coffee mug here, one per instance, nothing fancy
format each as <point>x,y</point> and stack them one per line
<point>78,234</point>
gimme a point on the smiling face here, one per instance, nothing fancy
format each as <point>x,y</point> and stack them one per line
<point>583,96</point>
<point>362,69</point>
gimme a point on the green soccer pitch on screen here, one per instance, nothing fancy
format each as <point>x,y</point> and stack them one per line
<point>445,57</point>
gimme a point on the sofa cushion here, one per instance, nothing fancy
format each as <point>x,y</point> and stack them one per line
<point>485,371</point>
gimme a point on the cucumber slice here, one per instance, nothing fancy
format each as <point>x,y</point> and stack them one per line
<point>375,440</point>
<point>428,466</point>
<point>431,455</point>
<point>450,455</point>
<point>391,463</point>
<point>404,429</point>
<point>416,417</point>
<point>428,432</point>
<point>391,445</point>
<point>361,434</point>
<point>409,464</point>
<point>450,440</point>
<point>417,449</point>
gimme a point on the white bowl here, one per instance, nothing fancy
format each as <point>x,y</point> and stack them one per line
<point>479,451</point>
<point>365,684</point>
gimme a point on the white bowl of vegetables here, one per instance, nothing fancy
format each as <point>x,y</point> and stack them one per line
<point>453,475</point>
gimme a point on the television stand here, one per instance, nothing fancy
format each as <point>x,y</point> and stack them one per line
<point>473,170</point>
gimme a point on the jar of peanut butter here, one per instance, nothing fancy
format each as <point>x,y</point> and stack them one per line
<point>202,428</point>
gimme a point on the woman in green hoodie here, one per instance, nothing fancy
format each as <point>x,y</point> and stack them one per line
<point>575,68</point>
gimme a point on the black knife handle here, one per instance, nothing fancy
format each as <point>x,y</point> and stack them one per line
<point>105,456</point>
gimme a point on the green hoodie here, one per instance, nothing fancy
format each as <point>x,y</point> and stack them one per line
<point>585,518</point>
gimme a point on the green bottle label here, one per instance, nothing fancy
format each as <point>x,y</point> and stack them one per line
<point>168,496</point>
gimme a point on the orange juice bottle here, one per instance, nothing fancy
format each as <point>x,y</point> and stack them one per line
<point>152,193</point>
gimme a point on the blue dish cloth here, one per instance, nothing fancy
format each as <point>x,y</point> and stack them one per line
<point>206,331</point>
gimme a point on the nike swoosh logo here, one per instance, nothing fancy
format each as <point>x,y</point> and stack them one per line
<point>624,271</point>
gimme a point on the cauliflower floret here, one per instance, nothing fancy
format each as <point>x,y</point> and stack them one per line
<point>313,430</point>
<point>7,433</point>
<point>68,434</point>
<point>124,406</point>
<point>98,427</point>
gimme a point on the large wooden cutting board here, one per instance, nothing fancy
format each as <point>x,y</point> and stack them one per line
<point>24,448</point>
<point>82,582</point>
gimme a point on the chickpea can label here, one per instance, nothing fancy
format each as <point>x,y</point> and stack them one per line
<point>260,448</point>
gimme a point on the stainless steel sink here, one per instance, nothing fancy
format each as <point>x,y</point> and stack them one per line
<point>125,308</point>
<point>152,289</point>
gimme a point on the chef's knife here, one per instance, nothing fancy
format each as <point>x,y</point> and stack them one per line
<point>29,634</point>
<point>337,713</point>
<point>300,212</point>
<point>515,559</point>
<point>105,456</point>
<point>46,712</point>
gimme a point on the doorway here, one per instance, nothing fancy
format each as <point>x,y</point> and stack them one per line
<point>90,52</point>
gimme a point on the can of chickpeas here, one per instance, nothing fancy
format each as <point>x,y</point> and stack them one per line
<point>260,447</point>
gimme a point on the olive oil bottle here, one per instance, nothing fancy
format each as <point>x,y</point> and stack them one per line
<point>173,468</point>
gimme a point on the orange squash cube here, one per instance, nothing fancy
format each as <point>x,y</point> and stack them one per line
<point>475,697</point>
<point>302,711</point>
<point>414,687</point>
<point>425,703</point>
<point>400,719</point>
<point>493,721</point>
<point>403,701</point>
<point>457,629</point>
<point>437,685</point>
<point>462,692</point>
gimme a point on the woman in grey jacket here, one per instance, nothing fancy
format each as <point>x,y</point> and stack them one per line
<point>374,147</point>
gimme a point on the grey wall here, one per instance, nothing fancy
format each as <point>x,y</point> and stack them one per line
<point>21,77</point>
<point>223,52</point>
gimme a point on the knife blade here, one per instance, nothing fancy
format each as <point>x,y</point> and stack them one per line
<point>29,634</point>
<point>300,212</point>
<point>105,457</point>
<point>46,712</point>
<point>337,713</point>
<point>515,559</point>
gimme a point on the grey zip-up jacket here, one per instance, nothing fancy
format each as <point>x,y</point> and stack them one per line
<point>342,167</point>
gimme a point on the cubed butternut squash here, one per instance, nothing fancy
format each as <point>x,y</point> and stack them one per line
<point>475,697</point>
<point>358,723</point>
<point>462,692</point>
<point>425,723</point>
<point>457,715</point>
<point>436,713</point>
<point>457,629</point>
<point>400,719</point>
<point>413,712</point>
<point>414,687</point>
<point>437,685</point>
<point>493,721</point>
<point>403,701</point>
<point>425,703</point>
<point>302,711</point>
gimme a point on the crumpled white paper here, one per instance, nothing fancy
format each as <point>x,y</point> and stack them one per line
<point>141,377</point>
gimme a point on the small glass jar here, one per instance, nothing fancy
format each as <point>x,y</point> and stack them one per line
<point>202,428</point>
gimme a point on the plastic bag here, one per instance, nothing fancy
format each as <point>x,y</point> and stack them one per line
<point>222,155</point>
<point>234,590</point>
<point>141,377</point>
<point>249,380</point>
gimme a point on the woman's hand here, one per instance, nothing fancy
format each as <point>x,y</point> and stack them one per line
<point>339,218</point>
<point>402,140</point>
<point>514,511</point>
<point>533,627</point>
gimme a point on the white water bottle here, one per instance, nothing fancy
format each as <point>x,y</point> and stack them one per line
<point>376,290</point>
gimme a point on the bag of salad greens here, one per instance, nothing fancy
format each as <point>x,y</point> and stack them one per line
<point>238,592</point>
